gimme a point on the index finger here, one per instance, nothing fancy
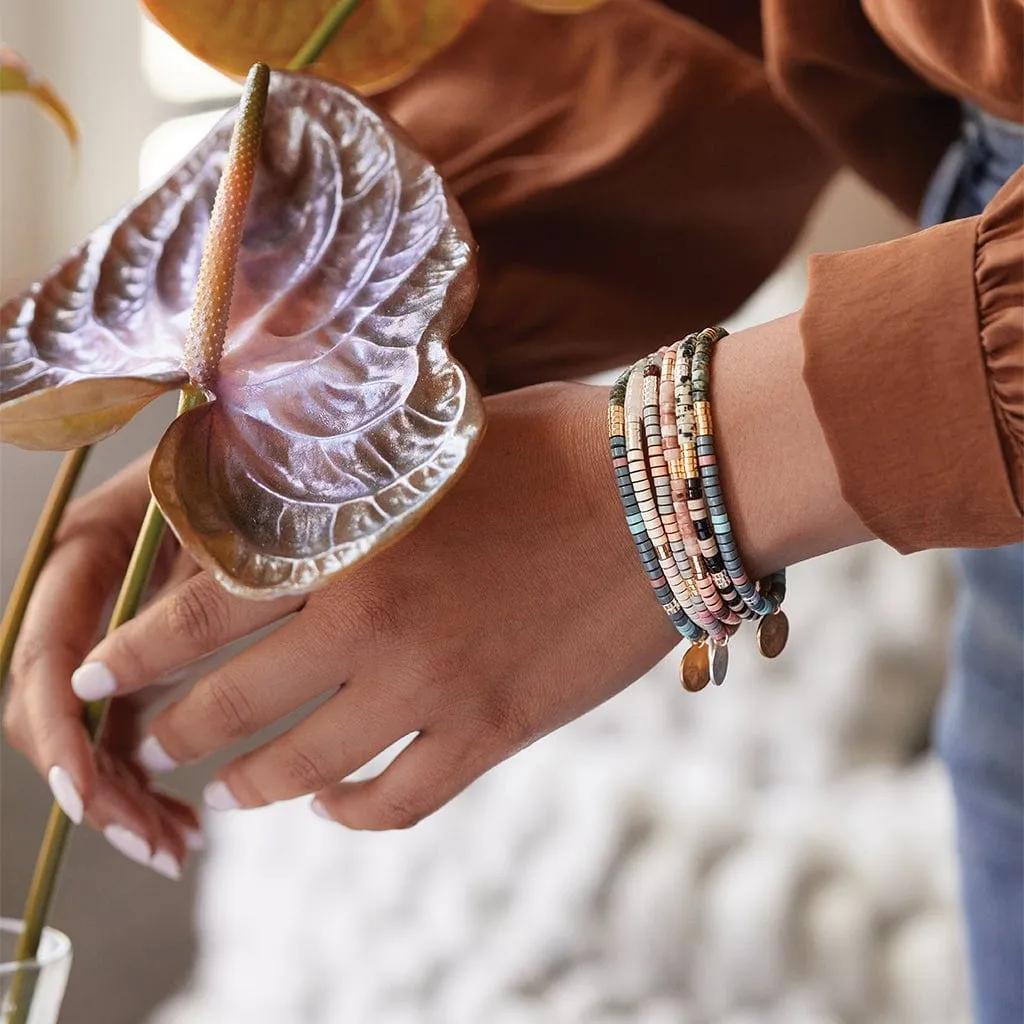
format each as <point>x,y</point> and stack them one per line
<point>81,574</point>
<point>187,623</point>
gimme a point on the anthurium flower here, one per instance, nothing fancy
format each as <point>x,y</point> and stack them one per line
<point>336,416</point>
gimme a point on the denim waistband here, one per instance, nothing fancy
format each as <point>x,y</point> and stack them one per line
<point>989,150</point>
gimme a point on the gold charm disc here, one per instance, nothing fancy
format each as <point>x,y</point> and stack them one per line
<point>772,634</point>
<point>694,670</point>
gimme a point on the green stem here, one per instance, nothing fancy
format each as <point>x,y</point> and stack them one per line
<point>58,828</point>
<point>35,557</point>
<point>323,34</point>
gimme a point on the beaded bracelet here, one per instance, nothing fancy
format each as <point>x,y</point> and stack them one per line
<point>659,472</point>
<point>663,455</point>
<point>765,598</point>
<point>690,467</point>
<point>704,443</point>
<point>634,518</point>
<point>683,539</point>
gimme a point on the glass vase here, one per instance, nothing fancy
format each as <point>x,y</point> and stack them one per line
<point>41,980</point>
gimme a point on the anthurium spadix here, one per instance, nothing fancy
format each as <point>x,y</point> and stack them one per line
<point>336,415</point>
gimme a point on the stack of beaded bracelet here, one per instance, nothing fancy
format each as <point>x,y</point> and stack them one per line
<point>663,454</point>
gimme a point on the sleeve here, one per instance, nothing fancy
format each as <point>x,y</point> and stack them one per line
<point>866,105</point>
<point>625,171</point>
<point>914,358</point>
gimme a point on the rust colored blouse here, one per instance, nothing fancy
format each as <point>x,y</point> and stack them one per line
<point>635,172</point>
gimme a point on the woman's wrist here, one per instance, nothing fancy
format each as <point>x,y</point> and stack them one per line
<point>778,476</point>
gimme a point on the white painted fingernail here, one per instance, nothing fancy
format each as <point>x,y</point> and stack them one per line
<point>93,681</point>
<point>319,810</point>
<point>153,756</point>
<point>62,786</point>
<point>219,797</point>
<point>165,863</point>
<point>133,846</point>
<point>194,840</point>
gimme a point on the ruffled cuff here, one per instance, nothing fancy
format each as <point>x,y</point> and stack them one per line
<point>913,356</point>
<point>999,277</point>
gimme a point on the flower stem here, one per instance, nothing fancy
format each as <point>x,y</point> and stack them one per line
<point>323,34</point>
<point>58,828</point>
<point>35,557</point>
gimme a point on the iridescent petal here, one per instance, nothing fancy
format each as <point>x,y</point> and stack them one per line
<point>338,416</point>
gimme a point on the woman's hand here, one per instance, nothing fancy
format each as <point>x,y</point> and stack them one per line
<point>43,718</point>
<point>515,606</point>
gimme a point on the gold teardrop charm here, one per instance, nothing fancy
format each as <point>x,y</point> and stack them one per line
<point>719,663</point>
<point>694,670</point>
<point>772,634</point>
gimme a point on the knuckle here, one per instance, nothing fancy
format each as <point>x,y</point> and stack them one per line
<point>106,545</point>
<point>501,716</point>
<point>380,614</point>
<point>397,809</point>
<point>14,724</point>
<point>306,773</point>
<point>26,655</point>
<point>31,651</point>
<point>230,708</point>
<point>125,659</point>
<point>448,671</point>
<point>197,613</point>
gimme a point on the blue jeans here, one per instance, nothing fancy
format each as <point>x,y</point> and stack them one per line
<point>980,726</point>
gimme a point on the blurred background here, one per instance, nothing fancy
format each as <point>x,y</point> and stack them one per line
<point>777,851</point>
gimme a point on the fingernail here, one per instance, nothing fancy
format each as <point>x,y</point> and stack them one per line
<point>164,863</point>
<point>319,810</point>
<point>93,681</point>
<point>133,846</point>
<point>62,786</point>
<point>194,840</point>
<point>153,756</point>
<point>219,797</point>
